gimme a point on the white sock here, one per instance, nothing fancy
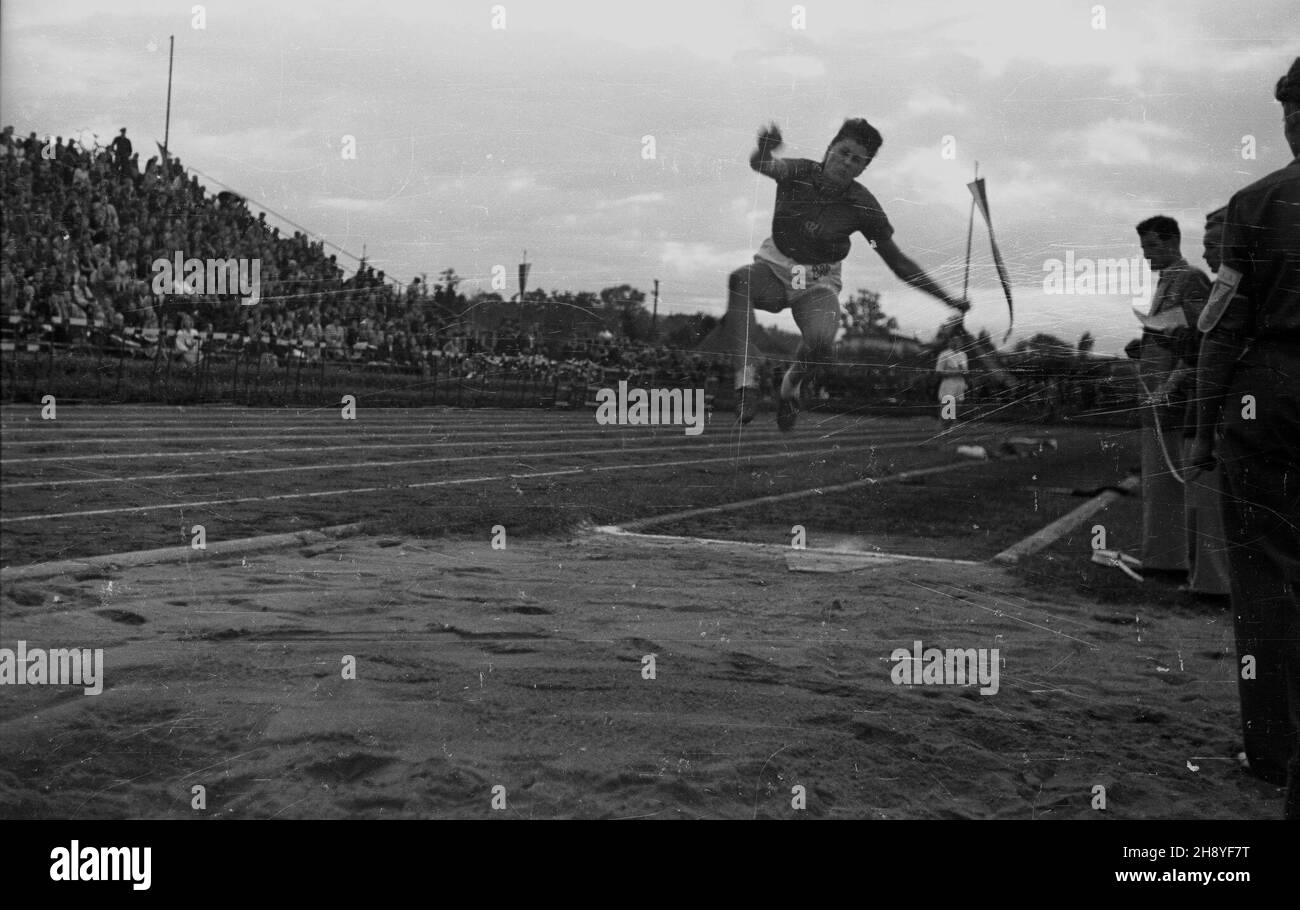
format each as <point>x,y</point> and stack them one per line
<point>747,376</point>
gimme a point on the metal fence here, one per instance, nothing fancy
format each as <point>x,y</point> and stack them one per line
<point>71,360</point>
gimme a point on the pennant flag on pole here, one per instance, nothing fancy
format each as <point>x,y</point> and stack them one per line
<point>982,201</point>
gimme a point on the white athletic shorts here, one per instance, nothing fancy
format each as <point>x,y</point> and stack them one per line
<point>823,275</point>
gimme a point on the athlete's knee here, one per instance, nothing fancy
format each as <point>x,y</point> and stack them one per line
<point>818,313</point>
<point>820,342</point>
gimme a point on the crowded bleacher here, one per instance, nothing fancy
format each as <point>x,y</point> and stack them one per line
<point>84,225</point>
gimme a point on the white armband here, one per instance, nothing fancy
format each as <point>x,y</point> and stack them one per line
<point>1225,288</point>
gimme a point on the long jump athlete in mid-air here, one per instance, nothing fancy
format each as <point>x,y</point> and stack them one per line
<point>818,208</point>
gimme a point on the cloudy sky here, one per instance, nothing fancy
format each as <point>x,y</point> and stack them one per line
<point>482,129</point>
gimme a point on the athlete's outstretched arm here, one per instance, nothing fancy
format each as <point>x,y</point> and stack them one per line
<point>769,140</point>
<point>911,273</point>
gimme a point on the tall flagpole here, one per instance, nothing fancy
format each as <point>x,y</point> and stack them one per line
<point>970,227</point>
<point>167,129</point>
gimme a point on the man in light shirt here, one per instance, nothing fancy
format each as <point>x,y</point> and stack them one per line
<point>1179,297</point>
<point>952,367</point>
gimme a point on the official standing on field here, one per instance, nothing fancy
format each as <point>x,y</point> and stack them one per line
<point>952,367</point>
<point>1178,300</point>
<point>1248,387</point>
<point>1207,545</point>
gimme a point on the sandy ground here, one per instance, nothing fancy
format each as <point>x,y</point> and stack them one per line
<point>523,668</point>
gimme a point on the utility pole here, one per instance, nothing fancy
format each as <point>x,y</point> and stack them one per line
<point>167,126</point>
<point>654,316</point>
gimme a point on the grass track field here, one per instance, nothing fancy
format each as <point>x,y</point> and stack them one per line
<point>104,480</point>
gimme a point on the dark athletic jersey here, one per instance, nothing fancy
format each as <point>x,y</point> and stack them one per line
<point>813,226</point>
<point>1259,282</point>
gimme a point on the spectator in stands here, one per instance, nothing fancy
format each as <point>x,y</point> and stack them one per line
<point>334,340</point>
<point>281,336</point>
<point>252,330</point>
<point>58,299</point>
<point>407,352</point>
<point>365,333</point>
<point>122,279</point>
<point>297,327</point>
<point>100,315</point>
<point>149,335</point>
<point>8,288</point>
<point>312,335</point>
<point>120,340</point>
<point>121,149</point>
<point>27,303</point>
<point>82,298</point>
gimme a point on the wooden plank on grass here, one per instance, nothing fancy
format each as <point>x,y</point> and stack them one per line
<point>1047,536</point>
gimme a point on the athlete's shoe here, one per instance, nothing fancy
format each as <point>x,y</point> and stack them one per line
<point>787,412</point>
<point>746,403</point>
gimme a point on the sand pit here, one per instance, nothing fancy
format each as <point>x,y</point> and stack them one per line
<point>524,668</point>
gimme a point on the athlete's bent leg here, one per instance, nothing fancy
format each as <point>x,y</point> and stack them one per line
<point>817,313</point>
<point>748,287</point>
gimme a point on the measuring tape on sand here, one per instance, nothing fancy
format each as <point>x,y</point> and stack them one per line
<point>1160,431</point>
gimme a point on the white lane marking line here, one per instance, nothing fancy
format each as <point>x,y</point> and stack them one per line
<point>369,432</point>
<point>193,412</point>
<point>503,417</point>
<point>66,427</point>
<point>331,419</point>
<point>59,459</point>
<point>798,494</point>
<point>444,483</point>
<point>784,548</point>
<point>847,444</point>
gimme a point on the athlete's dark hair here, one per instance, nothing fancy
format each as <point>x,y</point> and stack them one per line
<point>1218,216</point>
<point>1288,87</point>
<point>862,133</point>
<point>1162,226</point>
